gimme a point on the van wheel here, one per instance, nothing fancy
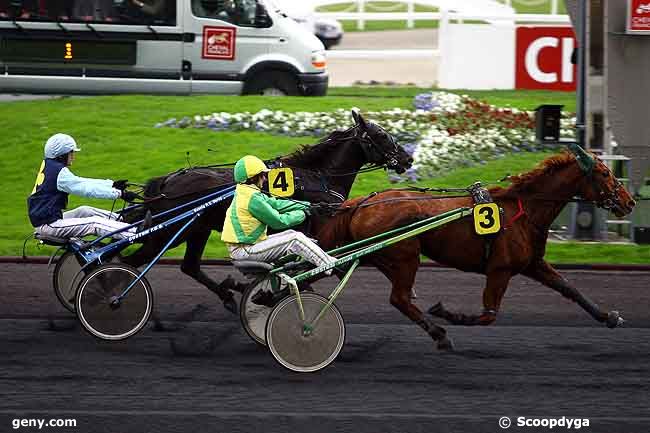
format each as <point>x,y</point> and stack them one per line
<point>272,83</point>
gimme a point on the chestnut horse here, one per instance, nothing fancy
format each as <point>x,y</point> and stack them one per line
<point>531,204</point>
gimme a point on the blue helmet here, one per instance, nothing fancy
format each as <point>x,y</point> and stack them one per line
<point>60,144</point>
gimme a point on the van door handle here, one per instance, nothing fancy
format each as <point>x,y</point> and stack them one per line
<point>282,40</point>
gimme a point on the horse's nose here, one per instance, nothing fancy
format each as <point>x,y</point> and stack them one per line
<point>410,160</point>
<point>631,204</point>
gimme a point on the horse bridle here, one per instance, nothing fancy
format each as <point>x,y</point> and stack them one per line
<point>605,200</point>
<point>367,145</point>
<point>587,162</point>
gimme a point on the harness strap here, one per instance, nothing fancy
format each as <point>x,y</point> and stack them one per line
<point>520,213</point>
<point>362,202</point>
<point>487,250</point>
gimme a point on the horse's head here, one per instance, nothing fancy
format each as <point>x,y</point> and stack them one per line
<point>379,146</point>
<point>601,186</point>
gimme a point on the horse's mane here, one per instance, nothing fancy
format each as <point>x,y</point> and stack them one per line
<point>311,156</point>
<point>527,182</point>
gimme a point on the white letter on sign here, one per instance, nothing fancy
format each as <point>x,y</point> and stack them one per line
<point>567,66</point>
<point>532,56</point>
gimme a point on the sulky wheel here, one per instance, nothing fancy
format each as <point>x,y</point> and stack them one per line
<point>102,313</point>
<point>66,278</point>
<point>297,348</point>
<point>256,305</point>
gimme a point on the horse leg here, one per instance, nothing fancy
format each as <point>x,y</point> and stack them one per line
<point>403,278</point>
<point>191,266</point>
<point>495,288</point>
<point>544,273</point>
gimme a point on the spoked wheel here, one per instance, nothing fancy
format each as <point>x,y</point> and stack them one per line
<point>253,315</point>
<point>101,311</point>
<point>67,276</point>
<point>295,346</point>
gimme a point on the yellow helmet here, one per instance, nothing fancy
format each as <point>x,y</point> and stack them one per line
<point>248,167</point>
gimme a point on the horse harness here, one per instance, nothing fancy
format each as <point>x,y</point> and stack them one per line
<point>481,195</point>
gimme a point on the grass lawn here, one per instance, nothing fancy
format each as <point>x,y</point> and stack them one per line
<point>522,99</point>
<point>521,6</point>
<point>538,7</point>
<point>118,140</point>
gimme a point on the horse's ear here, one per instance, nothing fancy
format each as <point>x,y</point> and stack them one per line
<point>358,118</point>
<point>585,160</point>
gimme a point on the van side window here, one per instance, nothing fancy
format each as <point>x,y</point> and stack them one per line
<point>149,12</point>
<point>238,12</point>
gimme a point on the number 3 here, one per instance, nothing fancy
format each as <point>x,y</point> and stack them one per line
<point>487,219</point>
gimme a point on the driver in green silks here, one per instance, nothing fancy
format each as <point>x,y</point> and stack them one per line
<point>252,211</point>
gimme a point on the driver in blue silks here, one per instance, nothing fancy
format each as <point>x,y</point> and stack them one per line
<point>50,196</point>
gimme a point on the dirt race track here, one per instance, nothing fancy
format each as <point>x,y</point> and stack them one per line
<point>543,358</point>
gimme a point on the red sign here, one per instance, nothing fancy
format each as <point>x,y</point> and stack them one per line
<point>638,16</point>
<point>219,43</point>
<point>544,58</point>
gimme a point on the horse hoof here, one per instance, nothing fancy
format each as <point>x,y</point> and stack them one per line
<point>614,320</point>
<point>230,305</point>
<point>436,310</point>
<point>445,344</point>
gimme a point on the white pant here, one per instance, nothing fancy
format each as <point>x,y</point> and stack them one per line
<point>85,221</point>
<point>281,244</point>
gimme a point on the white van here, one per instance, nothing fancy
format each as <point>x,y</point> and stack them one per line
<point>157,46</point>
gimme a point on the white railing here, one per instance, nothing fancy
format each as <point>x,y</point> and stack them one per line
<point>445,19</point>
<point>488,10</point>
<point>435,16</point>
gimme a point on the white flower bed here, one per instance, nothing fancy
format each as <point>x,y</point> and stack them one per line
<point>443,132</point>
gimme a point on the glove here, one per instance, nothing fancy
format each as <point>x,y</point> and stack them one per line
<point>130,196</point>
<point>320,210</point>
<point>121,184</point>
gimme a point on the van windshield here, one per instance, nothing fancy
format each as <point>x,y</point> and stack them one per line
<point>134,12</point>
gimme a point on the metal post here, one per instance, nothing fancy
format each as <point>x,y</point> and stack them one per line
<point>579,214</point>
<point>581,33</point>
<point>443,33</point>
<point>361,23</point>
<point>410,23</point>
<point>554,8</point>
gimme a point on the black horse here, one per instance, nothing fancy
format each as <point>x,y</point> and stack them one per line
<point>323,172</point>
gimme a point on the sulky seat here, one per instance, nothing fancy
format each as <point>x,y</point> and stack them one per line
<point>250,266</point>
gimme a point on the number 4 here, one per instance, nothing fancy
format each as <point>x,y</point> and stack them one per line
<point>281,183</point>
